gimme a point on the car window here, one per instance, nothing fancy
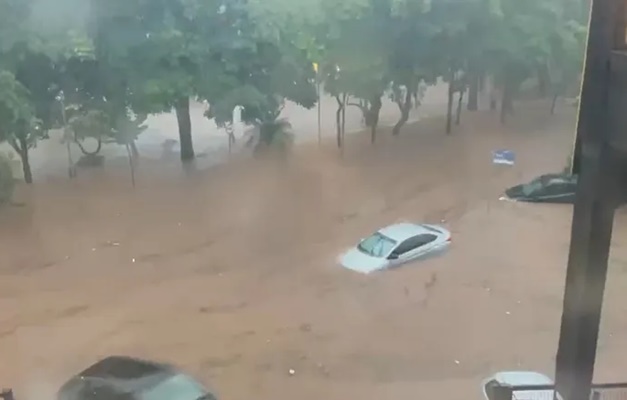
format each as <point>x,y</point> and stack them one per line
<point>533,187</point>
<point>424,239</point>
<point>100,392</point>
<point>403,248</point>
<point>558,187</point>
<point>377,245</point>
<point>413,243</point>
<point>179,387</point>
<point>489,389</point>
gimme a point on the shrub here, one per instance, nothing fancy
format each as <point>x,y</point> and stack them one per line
<point>7,182</point>
<point>275,136</point>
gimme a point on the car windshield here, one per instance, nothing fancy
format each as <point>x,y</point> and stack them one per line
<point>533,186</point>
<point>178,387</point>
<point>377,245</point>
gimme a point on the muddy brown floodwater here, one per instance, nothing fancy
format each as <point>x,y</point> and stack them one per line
<point>231,274</point>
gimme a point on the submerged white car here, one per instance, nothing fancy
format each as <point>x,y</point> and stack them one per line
<point>395,245</point>
<point>519,378</point>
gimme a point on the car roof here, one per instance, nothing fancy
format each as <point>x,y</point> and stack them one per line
<point>404,230</point>
<point>123,367</point>
<point>517,378</point>
<point>124,373</point>
<point>526,378</point>
<point>556,178</point>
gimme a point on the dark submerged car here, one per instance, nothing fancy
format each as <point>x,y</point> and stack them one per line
<point>550,188</point>
<point>126,378</point>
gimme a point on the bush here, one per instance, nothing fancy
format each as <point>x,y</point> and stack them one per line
<point>275,136</point>
<point>7,182</point>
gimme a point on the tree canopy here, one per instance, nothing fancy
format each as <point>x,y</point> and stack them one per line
<point>114,62</point>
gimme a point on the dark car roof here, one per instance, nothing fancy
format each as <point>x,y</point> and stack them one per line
<point>125,374</point>
<point>123,367</point>
<point>518,192</point>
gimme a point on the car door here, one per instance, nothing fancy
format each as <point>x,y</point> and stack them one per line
<point>399,254</point>
<point>557,191</point>
<point>423,244</point>
<point>412,248</point>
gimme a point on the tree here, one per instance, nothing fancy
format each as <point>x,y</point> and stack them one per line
<point>524,37</point>
<point>355,59</point>
<point>259,71</point>
<point>565,65</point>
<point>157,50</point>
<point>411,63</point>
<point>19,126</point>
<point>30,54</point>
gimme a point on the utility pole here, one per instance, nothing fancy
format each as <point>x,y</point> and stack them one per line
<point>600,159</point>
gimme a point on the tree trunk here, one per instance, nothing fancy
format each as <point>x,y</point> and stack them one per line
<point>458,117</point>
<point>185,129</point>
<point>375,109</point>
<point>22,149</point>
<point>543,81</point>
<point>473,92</point>
<point>364,107</point>
<point>134,150</point>
<point>131,164</point>
<point>503,105</point>
<point>449,104</point>
<point>493,102</point>
<point>554,103</point>
<point>344,101</point>
<point>405,108</point>
<point>338,121</point>
<point>507,102</point>
<point>492,93</point>
<point>416,99</point>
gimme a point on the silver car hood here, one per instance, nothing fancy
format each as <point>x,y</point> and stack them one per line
<point>357,261</point>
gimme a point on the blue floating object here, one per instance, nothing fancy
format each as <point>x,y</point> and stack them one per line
<point>503,157</point>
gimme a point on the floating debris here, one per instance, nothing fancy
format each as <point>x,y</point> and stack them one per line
<point>291,372</point>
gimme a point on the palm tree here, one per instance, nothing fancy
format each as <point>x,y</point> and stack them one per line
<point>275,135</point>
<point>271,134</point>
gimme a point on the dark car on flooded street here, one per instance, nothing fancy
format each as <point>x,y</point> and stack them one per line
<point>549,188</point>
<point>126,378</point>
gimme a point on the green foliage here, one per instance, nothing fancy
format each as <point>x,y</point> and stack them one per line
<point>14,102</point>
<point>19,124</point>
<point>274,136</point>
<point>117,61</point>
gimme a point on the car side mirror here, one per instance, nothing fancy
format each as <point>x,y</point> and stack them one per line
<point>393,256</point>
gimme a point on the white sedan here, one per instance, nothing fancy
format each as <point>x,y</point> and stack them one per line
<point>395,245</point>
<point>519,378</point>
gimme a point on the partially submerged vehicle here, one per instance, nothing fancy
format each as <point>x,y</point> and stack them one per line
<point>549,188</point>
<point>395,245</point>
<point>520,379</point>
<point>127,378</point>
